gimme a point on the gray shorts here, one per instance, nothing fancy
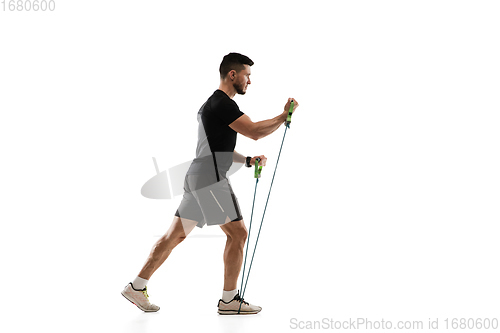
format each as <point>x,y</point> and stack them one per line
<point>208,202</point>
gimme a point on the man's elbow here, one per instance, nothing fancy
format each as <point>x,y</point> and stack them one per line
<point>254,133</point>
<point>255,136</point>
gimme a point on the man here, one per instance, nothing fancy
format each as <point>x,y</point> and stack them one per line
<point>209,198</point>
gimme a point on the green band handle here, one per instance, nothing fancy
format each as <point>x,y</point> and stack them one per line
<point>258,169</point>
<point>289,117</point>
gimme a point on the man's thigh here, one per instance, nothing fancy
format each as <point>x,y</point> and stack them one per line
<point>181,227</point>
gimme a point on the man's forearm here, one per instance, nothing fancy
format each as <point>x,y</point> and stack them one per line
<point>266,127</point>
<point>238,158</point>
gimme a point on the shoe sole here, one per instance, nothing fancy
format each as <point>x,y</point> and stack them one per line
<point>235,312</point>
<point>140,307</point>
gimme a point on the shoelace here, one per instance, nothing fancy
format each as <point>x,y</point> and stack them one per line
<point>239,299</point>
<point>145,292</point>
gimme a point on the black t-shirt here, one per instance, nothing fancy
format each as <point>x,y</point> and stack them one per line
<point>216,140</point>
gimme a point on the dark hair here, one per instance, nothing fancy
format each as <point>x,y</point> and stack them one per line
<point>234,61</point>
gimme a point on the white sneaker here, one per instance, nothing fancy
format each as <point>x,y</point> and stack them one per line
<point>237,306</point>
<point>139,298</point>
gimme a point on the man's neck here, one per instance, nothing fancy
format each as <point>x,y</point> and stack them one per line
<point>228,89</point>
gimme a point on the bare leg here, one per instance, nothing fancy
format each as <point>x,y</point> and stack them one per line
<point>177,232</point>
<point>236,233</point>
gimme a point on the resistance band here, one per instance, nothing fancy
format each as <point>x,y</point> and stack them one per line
<point>257,175</point>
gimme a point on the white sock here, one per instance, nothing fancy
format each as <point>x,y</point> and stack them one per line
<point>228,295</point>
<point>139,283</point>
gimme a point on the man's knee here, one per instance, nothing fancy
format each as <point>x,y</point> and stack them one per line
<point>238,232</point>
<point>178,231</point>
<point>171,239</point>
<point>242,235</point>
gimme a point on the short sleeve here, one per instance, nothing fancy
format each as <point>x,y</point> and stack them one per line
<point>229,112</point>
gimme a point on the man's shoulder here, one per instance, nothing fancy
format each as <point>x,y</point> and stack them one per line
<point>220,100</point>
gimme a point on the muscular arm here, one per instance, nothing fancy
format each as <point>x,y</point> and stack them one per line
<point>245,126</point>
<point>238,158</point>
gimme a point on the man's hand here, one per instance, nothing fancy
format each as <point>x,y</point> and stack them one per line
<point>287,105</point>
<point>262,162</point>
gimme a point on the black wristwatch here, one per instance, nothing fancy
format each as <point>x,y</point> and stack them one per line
<point>247,162</point>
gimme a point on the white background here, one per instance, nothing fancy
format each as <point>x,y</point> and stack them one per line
<point>386,199</point>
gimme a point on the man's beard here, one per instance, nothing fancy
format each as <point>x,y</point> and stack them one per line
<point>239,88</point>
